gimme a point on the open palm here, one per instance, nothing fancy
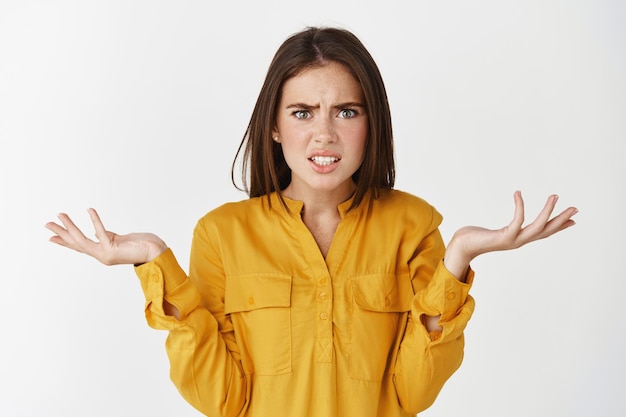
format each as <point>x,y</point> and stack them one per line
<point>110,248</point>
<point>471,241</point>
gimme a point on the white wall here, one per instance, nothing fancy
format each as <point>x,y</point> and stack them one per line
<point>136,108</point>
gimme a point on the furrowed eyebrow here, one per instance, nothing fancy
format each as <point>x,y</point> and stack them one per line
<point>336,106</point>
<point>348,105</point>
<point>302,106</point>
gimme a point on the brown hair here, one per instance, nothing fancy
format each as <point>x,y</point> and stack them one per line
<point>263,160</point>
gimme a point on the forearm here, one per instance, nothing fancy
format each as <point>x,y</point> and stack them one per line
<point>456,260</point>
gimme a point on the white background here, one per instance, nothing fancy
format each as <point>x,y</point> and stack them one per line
<point>137,107</point>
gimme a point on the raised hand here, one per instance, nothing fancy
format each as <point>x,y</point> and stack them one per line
<point>110,248</point>
<point>471,241</point>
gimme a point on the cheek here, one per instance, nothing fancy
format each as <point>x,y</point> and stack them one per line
<point>290,152</point>
<point>360,140</point>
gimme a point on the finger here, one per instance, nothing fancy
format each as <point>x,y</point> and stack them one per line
<point>61,237</point>
<point>54,228</point>
<point>71,228</point>
<point>75,238</point>
<point>560,222</point>
<point>59,241</point>
<point>536,228</point>
<point>518,215</point>
<point>101,232</point>
<point>61,232</point>
<point>548,208</point>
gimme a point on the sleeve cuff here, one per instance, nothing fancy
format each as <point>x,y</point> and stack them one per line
<point>445,295</point>
<point>163,278</point>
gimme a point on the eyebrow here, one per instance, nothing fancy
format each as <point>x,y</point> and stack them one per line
<point>336,106</point>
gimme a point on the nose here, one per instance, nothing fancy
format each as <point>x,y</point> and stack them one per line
<point>325,130</point>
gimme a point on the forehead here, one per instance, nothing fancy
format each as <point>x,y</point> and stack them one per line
<point>329,80</point>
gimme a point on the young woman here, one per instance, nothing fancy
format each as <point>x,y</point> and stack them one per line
<point>326,293</point>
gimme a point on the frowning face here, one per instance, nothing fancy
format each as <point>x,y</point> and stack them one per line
<point>322,126</point>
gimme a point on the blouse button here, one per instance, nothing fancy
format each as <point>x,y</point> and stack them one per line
<point>322,281</point>
<point>323,316</point>
<point>451,296</point>
<point>251,300</point>
<point>322,296</point>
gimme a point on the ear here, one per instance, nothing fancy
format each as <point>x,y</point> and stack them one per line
<point>275,135</point>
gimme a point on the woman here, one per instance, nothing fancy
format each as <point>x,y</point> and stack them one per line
<point>326,293</point>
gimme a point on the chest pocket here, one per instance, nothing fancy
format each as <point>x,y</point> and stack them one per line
<point>259,307</point>
<point>381,303</point>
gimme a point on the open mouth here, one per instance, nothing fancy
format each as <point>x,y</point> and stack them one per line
<point>324,160</point>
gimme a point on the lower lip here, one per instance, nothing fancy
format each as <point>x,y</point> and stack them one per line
<point>324,169</point>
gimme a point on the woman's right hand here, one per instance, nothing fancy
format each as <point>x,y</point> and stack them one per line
<point>111,248</point>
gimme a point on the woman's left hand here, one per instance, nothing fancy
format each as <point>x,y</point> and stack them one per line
<point>471,241</point>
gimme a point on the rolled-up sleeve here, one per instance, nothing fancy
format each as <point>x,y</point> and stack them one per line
<point>201,365</point>
<point>426,360</point>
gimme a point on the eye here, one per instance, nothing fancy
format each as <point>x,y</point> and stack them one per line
<point>348,113</point>
<point>301,114</point>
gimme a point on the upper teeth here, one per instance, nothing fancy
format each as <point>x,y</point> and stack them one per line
<point>324,160</point>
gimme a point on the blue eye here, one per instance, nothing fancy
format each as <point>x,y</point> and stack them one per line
<point>347,113</point>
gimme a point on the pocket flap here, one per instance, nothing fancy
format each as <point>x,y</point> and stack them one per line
<point>253,291</point>
<point>382,292</point>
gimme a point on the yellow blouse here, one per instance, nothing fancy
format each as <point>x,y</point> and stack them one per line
<point>269,327</point>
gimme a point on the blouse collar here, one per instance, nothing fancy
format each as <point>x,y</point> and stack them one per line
<point>296,206</point>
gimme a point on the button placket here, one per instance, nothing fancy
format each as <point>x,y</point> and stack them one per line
<point>324,320</point>
<point>323,302</point>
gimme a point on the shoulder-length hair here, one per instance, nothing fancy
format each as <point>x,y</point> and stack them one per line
<point>264,169</point>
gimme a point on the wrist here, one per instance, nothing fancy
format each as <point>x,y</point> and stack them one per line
<point>155,249</point>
